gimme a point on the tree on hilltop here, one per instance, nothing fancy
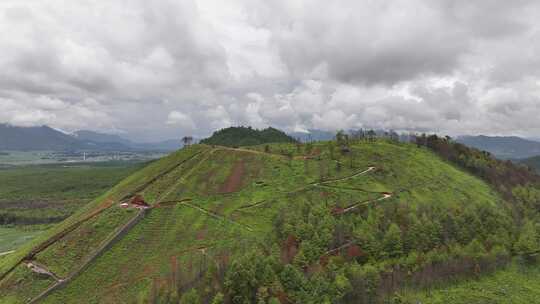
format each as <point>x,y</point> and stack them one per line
<point>187,140</point>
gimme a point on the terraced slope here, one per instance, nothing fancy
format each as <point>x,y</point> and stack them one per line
<point>209,203</point>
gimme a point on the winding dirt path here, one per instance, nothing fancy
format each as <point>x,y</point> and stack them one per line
<point>369,169</point>
<point>365,203</point>
<point>256,204</point>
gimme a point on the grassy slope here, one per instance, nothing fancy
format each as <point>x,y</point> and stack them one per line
<point>517,284</point>
<point>100,232</point>
<point>234,196</point>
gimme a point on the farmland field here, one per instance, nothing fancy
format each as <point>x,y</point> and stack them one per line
<point>32,198</point>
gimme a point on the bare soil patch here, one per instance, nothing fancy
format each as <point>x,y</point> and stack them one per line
<point>233,182</point>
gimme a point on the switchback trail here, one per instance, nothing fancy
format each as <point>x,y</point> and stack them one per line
<point>369,169</point>
<point>323,183</point>
<point>386,195</point>
<point>364,203</point>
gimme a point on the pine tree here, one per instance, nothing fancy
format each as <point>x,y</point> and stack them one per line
<point>527,245</point>
<point>392,244</point>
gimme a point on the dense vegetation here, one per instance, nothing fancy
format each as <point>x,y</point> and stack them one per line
<point>533,162</point>
<point>246,136</point>
<point>349,221</point>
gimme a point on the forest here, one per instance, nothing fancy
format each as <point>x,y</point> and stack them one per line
<point>246,136</point>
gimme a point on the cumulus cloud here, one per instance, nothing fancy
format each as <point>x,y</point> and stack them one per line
<point>181,119</point>
<point>156,70</point>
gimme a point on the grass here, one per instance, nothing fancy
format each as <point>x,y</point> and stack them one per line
<point>234,195</point>
<point>13,237</point>
<point>164,234</point>
<point>517,284</point>
<point>21,285</point>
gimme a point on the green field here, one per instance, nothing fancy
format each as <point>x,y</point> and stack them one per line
<point>49,193</point>
<point>32,198</point>
<point>519,284</point>
<point>212,205</point>
<point>11,238</point>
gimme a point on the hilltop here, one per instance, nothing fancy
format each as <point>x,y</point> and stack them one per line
<point>282,223</point>
<point>246,136</point>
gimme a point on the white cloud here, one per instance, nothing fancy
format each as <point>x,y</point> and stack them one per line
<point>180,119</point>
<point>156,69</point>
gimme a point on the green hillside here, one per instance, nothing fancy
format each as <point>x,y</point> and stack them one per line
<point>517,284</point>
<point>246,136</point>
<point>306,223</point>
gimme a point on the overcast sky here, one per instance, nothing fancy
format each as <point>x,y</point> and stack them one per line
<point>161,69</point>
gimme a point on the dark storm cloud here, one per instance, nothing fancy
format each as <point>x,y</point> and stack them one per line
<point>162,68</point>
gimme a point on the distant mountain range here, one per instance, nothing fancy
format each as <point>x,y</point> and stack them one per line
<point>504,147</point>
<point>166,145</point>
<point>46,138</point>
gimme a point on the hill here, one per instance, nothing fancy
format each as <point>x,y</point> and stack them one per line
<point>510,147</point>
<point>246,136</point>
<point>279,223</point>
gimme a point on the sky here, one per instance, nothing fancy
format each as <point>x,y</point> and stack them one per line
<point>152,70</point>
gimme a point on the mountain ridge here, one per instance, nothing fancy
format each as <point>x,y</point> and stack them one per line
<point>45,138</point>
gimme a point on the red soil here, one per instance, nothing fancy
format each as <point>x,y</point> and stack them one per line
<point>234,180</point>
<point>289,249</point>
